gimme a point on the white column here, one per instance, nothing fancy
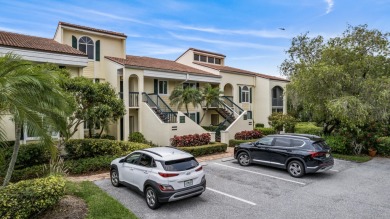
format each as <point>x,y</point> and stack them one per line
<point>140,90</point>
<point>126,124</point>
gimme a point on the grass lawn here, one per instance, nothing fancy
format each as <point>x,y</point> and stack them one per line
<point>355,158</point>
<point>100,204</point>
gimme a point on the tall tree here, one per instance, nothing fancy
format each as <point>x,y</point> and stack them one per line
<point>210,96</point>
<point>185,96</point>
<point>31,94</point>
<point>96,103</point>
<point>342,82</point>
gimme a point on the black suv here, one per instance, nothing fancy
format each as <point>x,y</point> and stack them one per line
<point>298,153</point>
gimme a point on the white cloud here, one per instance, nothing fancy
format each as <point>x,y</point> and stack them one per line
<point>116,17</point>
<point>146,48</point>
<point>226,43</point>
<point>330,4</point>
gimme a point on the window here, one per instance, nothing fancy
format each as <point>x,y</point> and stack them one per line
<point>211,59</point>
<point>132,158</point>
<point>196,57</point>
<point>86,46</point>
<point>217,61</point>
<point>297,143</point>
<point>180,165</point>
<point>191,85</point>
<point>265,141</point>
<point>277,99</point>
<point>245,94</point>
<point>192,116</point>
<point>146,161</point>
<point>249,114</point>
<point>162,87</point>
<point>203,58</point>
<point>282,142</point>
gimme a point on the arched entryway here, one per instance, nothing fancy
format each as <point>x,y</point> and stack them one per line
<point>228,93</point>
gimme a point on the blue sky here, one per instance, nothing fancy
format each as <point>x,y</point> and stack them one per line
<point>246,31</point>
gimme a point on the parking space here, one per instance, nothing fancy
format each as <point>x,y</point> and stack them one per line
<point>351,190</point>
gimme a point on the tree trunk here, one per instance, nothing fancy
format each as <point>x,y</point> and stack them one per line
<point>188,114</point>
<point>101,130</point>
<point>204,113</point>
<point>18,131</point>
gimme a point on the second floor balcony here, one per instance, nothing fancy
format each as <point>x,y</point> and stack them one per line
<point>133,98</point>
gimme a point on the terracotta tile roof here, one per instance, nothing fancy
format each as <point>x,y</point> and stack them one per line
<point>9,39</point>
<point>158,64</point>
<point>92,29</point>
<point>240,71</point>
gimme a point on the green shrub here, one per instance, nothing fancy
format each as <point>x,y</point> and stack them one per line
<point>234,142</point>
<point>338,144</point>
<point>266,131</point>
<point>27,198</point>
<point>308,128</point>
<point>29,155</point>
<point>210,128</point>
<point>104,136</point>
<point>205,149</point>
<point>137,137</point>
<point>383,147</point>
<point>84,148</point>
<point>91,164</point>
<point>259,125</point>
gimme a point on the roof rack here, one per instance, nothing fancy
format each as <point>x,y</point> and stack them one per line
<point>152,152</point>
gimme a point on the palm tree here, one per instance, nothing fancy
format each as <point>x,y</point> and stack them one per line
<point>31,94</point>
<point>210,96</point>
<point>184,96</point>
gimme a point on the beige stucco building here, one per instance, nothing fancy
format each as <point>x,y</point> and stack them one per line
<point>145,83</point>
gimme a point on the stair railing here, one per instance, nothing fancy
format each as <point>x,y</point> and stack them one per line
<point>237,109</point>
<point>155,101</point>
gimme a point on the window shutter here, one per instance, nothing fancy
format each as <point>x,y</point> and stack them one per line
<point>239,94</point>
<point>250,95</point>
<point>156,86</point>
<point>74,42</point>
<point>197,117</point>
<point>98,50</point>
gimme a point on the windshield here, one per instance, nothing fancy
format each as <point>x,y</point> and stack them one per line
<point>180,165</point>
<point>320,145</point>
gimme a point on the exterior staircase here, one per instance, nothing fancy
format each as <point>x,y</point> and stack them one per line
<point>160,108</point>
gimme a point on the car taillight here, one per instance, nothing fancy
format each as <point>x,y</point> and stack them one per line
<point>199,169</point>
<point>317,154</point>
<point>165,175</point>
<point>166,188</point>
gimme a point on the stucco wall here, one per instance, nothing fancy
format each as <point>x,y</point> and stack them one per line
<point>237,126</point>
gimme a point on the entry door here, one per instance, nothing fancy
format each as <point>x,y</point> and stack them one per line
<point>131,124</point>
<point>214,119</point>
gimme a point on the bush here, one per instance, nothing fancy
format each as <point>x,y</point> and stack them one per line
<point>279,121</point>
<point>29,155</point>
<point>259,125</point>
<point>233,142</point>
<point>91,164</point>
<point>308,128</point>
<point>27,198</point>
<point>210,128</point>
<point>104,136</point>
<point>84,148</point>
<point>205,149</point>
<point>266,131</point>
<point>338,144</point>
<point>137,137</point>
<point>383,147</point>
<point>191,140</point>
<point>244,135</point>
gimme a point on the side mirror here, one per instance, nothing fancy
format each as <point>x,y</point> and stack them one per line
<point>122,160</point>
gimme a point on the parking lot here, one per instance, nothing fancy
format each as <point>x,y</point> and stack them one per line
<point>350,190</point>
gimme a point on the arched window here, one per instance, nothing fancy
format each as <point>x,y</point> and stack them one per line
<point>86,46</point>
<point>277,99</point>
<point>245,94</point>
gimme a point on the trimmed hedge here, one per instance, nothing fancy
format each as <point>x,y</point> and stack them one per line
<point>91,164</point>
<point>137,137</point>
<point>233,142</point>
<point>383,147</point>
<point>210,128</point>
<point>29,155</point>
<point>266,131</point>
<point>205,149</point>
<point>244,135</point>
<point>84,148</point>
<point>27,198</point>
<point>191,140</point>
<point>338,144</point>
<point>259,125</point>
<point>308,128</point>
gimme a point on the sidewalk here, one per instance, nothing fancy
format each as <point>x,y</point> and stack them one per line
<point>229,153</point>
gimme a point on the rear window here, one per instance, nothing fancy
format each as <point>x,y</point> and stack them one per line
<point>180,165</point>
<point>320,145</point>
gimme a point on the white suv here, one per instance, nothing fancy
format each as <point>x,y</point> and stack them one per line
<point>161,174</point>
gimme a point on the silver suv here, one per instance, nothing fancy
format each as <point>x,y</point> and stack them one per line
<point>161,174</point>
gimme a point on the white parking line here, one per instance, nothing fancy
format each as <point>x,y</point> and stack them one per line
<point>231,196</point>
<point>275,177</point>
<point>335,170</point>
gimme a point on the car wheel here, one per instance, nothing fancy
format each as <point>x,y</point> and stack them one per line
<point>114,177</point>
<point>243,159</point>
<point>296,168</point>
<point>151,198</point>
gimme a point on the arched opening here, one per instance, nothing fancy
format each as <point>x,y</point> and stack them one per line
<point>133,91</point>
<point>86,45</point>
<point>277,99</point>
<point>228,90</point>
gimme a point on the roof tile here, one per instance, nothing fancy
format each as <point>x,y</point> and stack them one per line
<point>92,29</point>
<point>36,43</point>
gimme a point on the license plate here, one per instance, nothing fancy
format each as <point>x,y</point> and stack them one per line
<point>327,155</point>
<point>188,183</point>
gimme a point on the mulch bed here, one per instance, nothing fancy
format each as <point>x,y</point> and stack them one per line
<point>69,207</point>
